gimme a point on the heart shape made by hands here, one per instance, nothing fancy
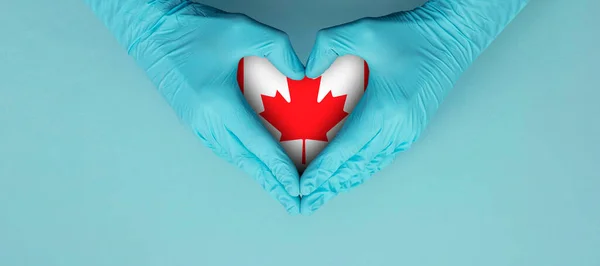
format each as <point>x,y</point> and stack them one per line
<point>303,115</point>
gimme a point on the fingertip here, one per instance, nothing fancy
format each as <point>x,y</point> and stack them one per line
<point>297,69</point>
<point>293,72</point>
<point>308,180</point>
<point>292,190</point>
<point>294,209</point>
<point>289,183</point>
<point>311,74</point>
<point>306,208</point>
<point>307,213</point>
<point>316,66</point>
<point>285,172</point>
<point>311,71</point>
<point>291,187</point>
<point>291,204</point>
<point>318,172</point>
<point>313,202</point>
<point>307,189</point>
<point>325,51</point>
<point>285,59</point>
<point>296,75</point>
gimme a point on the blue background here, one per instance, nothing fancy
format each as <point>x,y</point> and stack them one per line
<point>95,169</point>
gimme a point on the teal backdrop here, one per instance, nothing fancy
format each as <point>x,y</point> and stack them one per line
<point>96,170</point>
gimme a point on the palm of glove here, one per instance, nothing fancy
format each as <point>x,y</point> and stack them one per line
<point>192,57</point>
<point>413,65</point>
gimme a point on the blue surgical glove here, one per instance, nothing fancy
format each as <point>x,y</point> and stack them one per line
<point>191,52</point>
<point>415,58</point>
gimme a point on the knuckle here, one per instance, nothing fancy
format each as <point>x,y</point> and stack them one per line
<point>237,22</point>
<point>366,29</point>
<point>239,17</point>
<point>324,35</point>
<point>364,21</point>
<point>279,37</point>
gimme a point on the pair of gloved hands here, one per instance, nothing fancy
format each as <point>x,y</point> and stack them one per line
<point>192,51</point>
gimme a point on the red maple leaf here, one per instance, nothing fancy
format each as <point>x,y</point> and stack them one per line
<point>303,117</point>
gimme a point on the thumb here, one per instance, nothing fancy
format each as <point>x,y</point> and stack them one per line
<point>285,59</point>
<point>322,56</point>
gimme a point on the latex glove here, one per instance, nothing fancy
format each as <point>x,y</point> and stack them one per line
<point>415,58</point>
<point>191,52</point>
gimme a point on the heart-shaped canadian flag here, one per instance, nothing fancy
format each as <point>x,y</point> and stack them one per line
<point>303,115</point>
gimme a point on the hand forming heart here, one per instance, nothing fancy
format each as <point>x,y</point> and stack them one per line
<point>191,52</point>
<point>415,58</point>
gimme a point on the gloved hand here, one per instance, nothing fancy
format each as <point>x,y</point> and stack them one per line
<point>191,52</point>
<point>415,58</point>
